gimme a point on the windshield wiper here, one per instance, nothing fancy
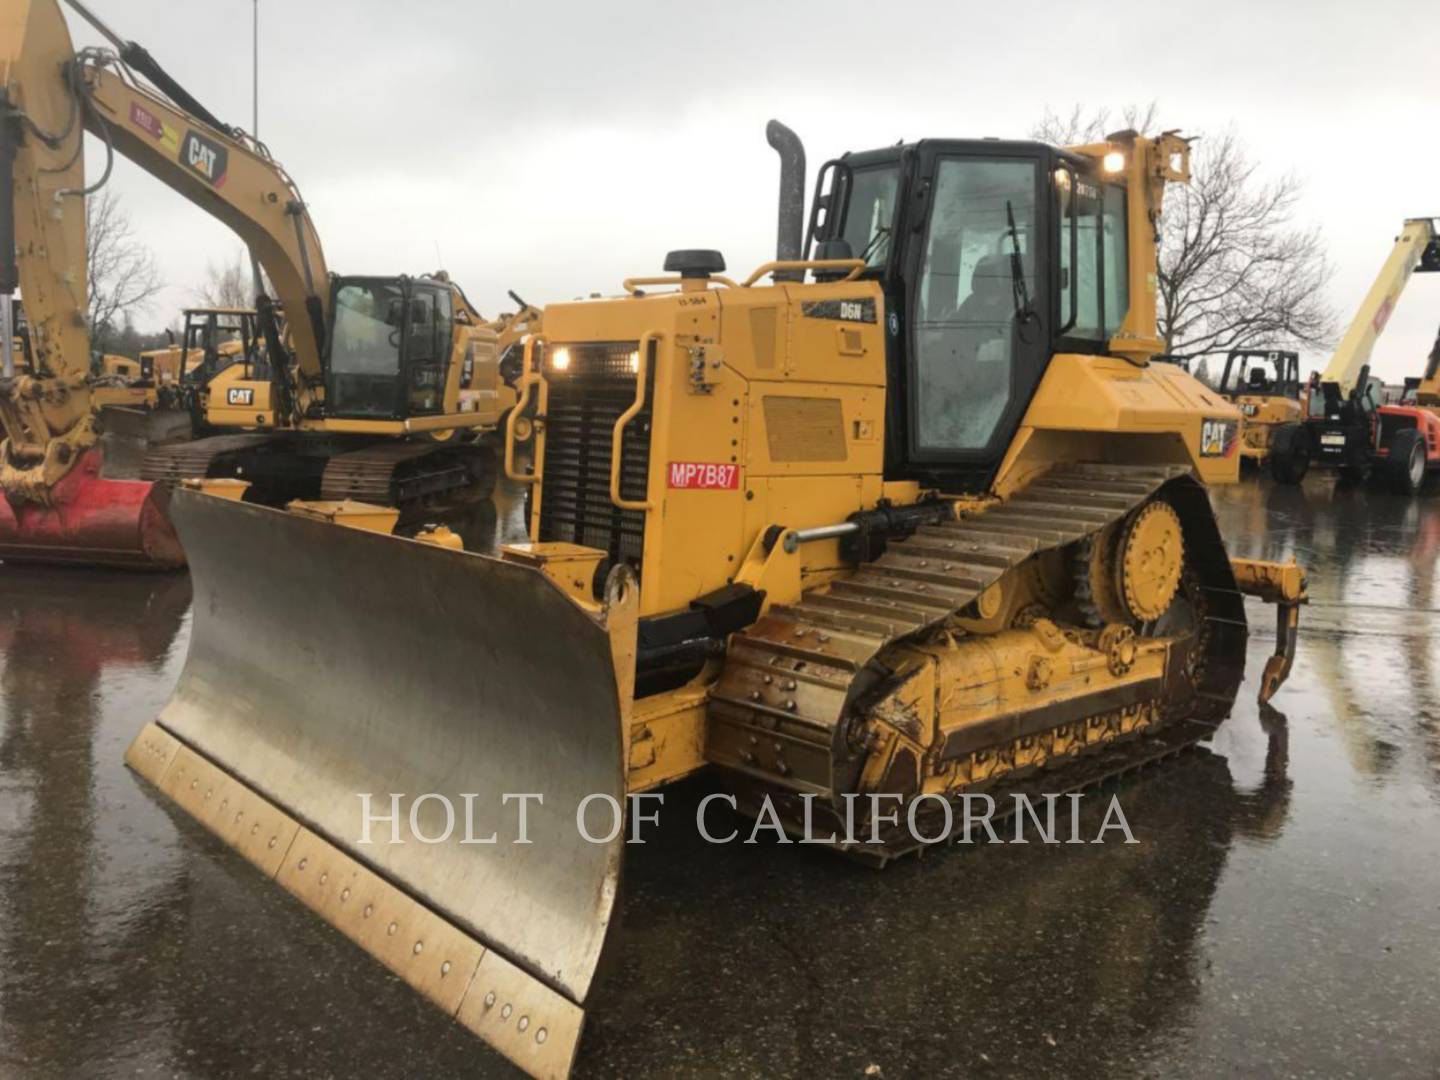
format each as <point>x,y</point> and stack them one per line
<point>882,232</point>
<point>1024,311</point>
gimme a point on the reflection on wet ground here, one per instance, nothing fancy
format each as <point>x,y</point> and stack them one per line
<point>1278,915</point>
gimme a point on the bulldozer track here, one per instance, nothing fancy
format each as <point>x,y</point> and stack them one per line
<point>793,678</point>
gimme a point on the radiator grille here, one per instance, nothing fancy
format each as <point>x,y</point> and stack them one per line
<point>585,400</point>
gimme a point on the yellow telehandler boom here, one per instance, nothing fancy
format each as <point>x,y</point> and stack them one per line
<point>1416,239</point>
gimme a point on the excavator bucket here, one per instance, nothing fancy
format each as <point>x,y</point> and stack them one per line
<point>92,521</point>
<point>363,718</point>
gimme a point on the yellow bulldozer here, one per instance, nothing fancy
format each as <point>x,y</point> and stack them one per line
<point>904,516</point>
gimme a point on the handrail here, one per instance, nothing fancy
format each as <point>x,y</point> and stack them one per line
<point>529,377</point>
<point>855,266</point>
<point>632,284</point>
<point>617,437</point>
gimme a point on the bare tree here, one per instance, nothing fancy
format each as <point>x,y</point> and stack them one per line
<point>123,275</point>
<point>228,284</point>
<point>1236,268</point>
<point>1079,126</point>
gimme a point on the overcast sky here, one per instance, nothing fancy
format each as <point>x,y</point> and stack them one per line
<point>555,148</point>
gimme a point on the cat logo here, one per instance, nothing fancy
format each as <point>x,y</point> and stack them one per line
<point>208,159</point>
<point>1217,438</point>
<point>240,395</point>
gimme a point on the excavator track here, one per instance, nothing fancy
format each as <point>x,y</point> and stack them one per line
<point>191,460</point>
<point>781,712</point>
<point>396,474</point>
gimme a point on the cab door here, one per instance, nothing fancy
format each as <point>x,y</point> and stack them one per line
<point>427,350</point>
<point>978,314</point>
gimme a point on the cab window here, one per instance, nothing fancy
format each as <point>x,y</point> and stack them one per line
<point>870,213</point>
<point>976,273</point>
<point>1094,249</point>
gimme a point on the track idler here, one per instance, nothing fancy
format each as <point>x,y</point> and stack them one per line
<point>92,521</point>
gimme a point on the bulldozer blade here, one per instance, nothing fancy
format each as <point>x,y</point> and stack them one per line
<point>92,521</point>
<point>327,664</point>
<point>128,434</point>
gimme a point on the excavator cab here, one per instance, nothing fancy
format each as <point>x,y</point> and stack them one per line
<point>388,347</point>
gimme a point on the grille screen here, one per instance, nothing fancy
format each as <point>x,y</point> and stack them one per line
<point>588,391</point>
<point>1390,424</point>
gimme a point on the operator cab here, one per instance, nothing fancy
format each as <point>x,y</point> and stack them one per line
<point>388,347</point>
<point>994,256</point>
<point>208,332</point>
<point>1261,373</point>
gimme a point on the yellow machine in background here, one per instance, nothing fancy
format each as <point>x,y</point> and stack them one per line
<point>915,519</point>
<point>379,388</point>
<point>1264,384</point>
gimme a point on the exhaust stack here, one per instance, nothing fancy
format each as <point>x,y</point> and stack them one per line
<point>791,227</point>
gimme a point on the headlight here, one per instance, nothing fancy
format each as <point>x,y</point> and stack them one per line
<point>635,361</point>
<point>1114,162</point>
<point>560,359</point>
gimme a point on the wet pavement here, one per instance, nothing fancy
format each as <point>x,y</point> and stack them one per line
<point>1278,916</point>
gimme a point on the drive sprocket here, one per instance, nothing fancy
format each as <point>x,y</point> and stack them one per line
<point>1150,557</point>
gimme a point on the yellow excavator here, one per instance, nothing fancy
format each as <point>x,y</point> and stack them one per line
<point>915,519</point>
<point>374,388</point>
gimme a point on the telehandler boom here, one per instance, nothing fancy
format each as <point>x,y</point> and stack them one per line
<point>1343,428</point>
<point>916,519</point>
<point>375,387</point>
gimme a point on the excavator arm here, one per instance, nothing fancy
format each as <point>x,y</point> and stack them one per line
<point>49,96</point>
<point>46,411</point>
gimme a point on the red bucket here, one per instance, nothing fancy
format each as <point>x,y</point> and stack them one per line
<point>93,522</point>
